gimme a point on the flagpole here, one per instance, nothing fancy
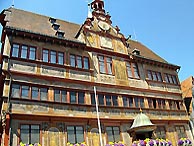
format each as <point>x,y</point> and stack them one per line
<point>98,117</point>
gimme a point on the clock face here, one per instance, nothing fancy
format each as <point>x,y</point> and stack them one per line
<point>106,42</point>
<point>103,25</point>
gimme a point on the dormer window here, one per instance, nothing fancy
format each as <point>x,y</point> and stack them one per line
<point>136,52</point>
<point>55,26</point>
<point>60,33</point>
<point>52,20</point>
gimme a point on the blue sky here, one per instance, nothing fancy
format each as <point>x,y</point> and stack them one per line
<point>164,26</point>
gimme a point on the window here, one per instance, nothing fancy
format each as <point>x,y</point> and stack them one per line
<point>15,50</point>
<point>178,105</point>
<point>72,60</point>
<point>180,130</point>
<point>105,100</point>
<point>30,134</point>
<point>115,100</point>
<point>61,58</point>
<point>101,64</point>
<point>154,76</point>
<point>160,132</point>
<point>127,101</point>
<point>101,99</point>
<point>150,102</point>
<point>32,53</point>
<point>105,65</point>
<point>86,63</point>
<point>72,97</point>
<point>139,102</point>
<point>15,91</point>
<point>25,90</point>
<point>45,55</point>
<point>113,133</point>
<point>108,100</point>
<point>93,100</point>
<point>172,79</point>
<point>24,51</point>
<point>161,103</point>
<point>77,97</point>
<point>75,134</point>
<point>29,92</point>
<point>35,93</point>
<point>60,96</point>
<point>132,70</point>
<point>79,61</point>
<point>43,94</point>
<point>81,97</point>
<point>53,56</point>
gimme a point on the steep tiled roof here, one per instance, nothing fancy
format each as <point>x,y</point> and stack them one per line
<point>144,51</point>
<point>36,23</point>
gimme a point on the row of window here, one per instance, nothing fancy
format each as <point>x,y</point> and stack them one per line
<point>160,132</point>
<point>75,134</point>
<point>38,93</point>
<point>78,97</point>
<point>30,134</point>
<point>157,76</point>
<point>82,62</point>
<point>50,56</point>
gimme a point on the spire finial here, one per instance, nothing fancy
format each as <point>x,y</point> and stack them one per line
<point>140,110</point>
<point>12,4</point>
<point>89,11</point>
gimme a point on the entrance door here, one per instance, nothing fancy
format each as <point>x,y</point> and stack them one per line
<point>53,137</point>
<point>95,138</point>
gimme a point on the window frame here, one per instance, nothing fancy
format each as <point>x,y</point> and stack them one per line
<point>78,61</point>
<point>27,51</point>
<point>107,65</point>
<point>171,79</point>
<point>101,99</point>
<point>60,95</point>
<point>179,132</point>
<point>30,96</point>
<point>130,101</point>
<point>56,56</point>
<point>132,70</point>
<point>159,132</point>
<point>77,96</point>
<point>154,76</point>
<point>113,134</point>
<point>75,133</point>
<point>30,132</point>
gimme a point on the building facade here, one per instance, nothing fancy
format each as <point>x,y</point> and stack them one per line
<point>187,87</point>
<point>50,68</point>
